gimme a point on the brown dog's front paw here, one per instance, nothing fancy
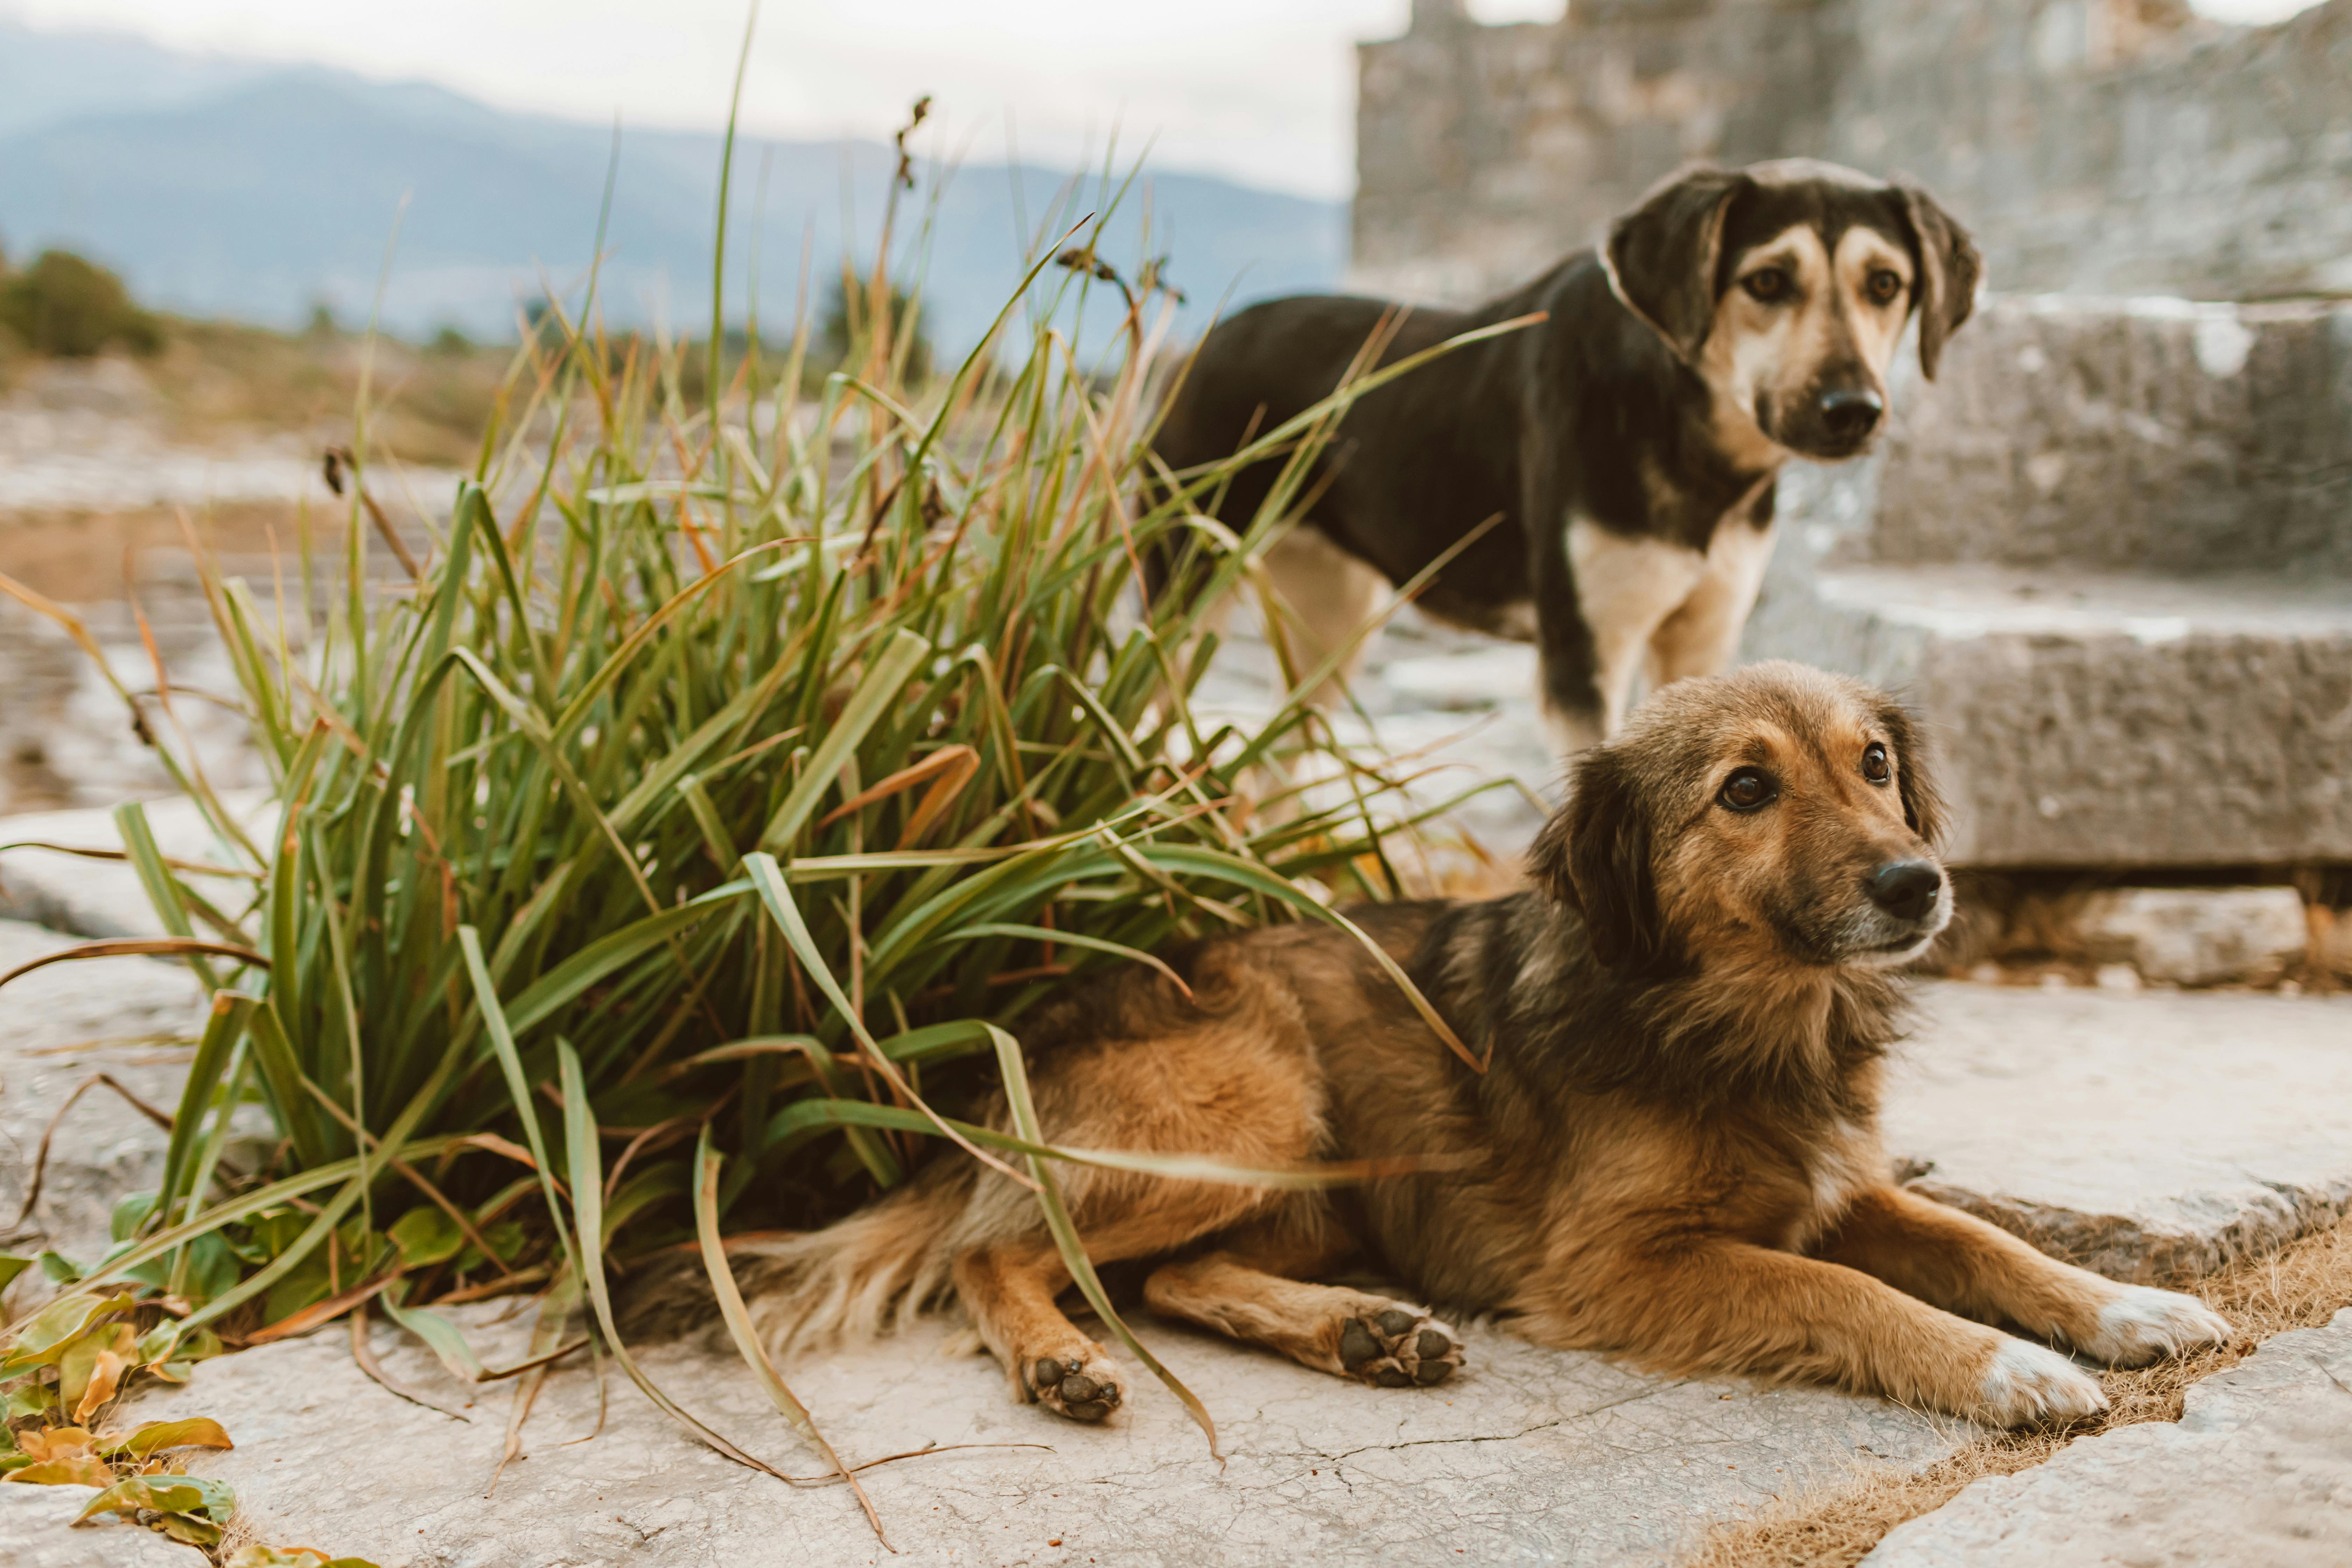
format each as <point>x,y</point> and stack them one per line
<point>2140,1324</point>
<point>2024,1384</point>
<point>1082,1386</point>
<point>1396,1347</point>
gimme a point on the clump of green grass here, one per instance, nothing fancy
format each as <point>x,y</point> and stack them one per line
<point>731,780</point>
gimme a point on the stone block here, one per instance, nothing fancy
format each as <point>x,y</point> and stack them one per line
<point>2150,1136</point>
<point>2258,1471</point>
<point>2125,435</point>
<point>2093,719</point>
<point>2195,936</point>
<point>37,1530</point>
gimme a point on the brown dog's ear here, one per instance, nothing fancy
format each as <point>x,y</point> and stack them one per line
<point>1949,270</point>
<point>1593,856</point>
<point>1662,257</point>
<point>1915,772</point>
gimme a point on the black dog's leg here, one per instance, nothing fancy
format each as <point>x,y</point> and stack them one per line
<point>1567,679</point>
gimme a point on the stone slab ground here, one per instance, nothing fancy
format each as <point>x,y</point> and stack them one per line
<point>59,1025</point>
<point>1532,1457</point>
<point>36,1532</point>
<point>2153,1136</point>
<point>2258,1470</point>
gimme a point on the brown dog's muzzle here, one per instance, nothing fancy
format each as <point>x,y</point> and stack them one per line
<point>1907,890</point>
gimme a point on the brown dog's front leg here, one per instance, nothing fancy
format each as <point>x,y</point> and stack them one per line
<point>1009,1291</point>
<point>1371,1338</point>
<point>1726,1307</point>
<point>1960,1263</point>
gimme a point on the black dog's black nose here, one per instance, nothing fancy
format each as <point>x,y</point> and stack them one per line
<point>1849,413</point>
<point>1905,888</point>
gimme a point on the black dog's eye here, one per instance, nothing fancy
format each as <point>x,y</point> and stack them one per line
<point>1873,764</point>
<point>1885,286</point>
<point>1767,284</point>
<point>1746,790</point>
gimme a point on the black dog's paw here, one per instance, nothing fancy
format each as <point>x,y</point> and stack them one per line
<point>1082,1385</point>
<point>1395,1346</point>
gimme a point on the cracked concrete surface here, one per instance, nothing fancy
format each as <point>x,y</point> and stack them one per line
<point>1529,1456</point>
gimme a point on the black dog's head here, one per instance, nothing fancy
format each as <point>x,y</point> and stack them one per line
<point>1775,818</point>
<point>1786,286</point>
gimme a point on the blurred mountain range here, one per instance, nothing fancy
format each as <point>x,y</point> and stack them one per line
<point>226,188</point>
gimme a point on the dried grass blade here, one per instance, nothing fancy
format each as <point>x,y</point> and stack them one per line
<point>580,1138</point>
<point>140,947</point>
<point>1071,939</point>
<point>747,1338</point>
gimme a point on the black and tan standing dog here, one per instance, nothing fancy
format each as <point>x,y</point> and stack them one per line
<point>1673,1153</point>
<point>1733,320</point>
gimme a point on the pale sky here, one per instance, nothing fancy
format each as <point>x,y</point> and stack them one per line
<point>1263,90</point>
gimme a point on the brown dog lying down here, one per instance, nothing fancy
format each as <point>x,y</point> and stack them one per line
<point>1673,1156</point>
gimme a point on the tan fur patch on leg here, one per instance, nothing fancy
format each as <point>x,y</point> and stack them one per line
<point>1371,1338</point>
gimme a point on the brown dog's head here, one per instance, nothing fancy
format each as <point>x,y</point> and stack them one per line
<point>1773,817</point>
<point>1786,286</point>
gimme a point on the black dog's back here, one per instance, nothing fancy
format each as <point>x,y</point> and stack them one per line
<point>1281,358</point>
<point>1415,464</point>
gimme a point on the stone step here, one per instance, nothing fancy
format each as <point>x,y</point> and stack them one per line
<point>2140,434</point>
<point>2096,718</point>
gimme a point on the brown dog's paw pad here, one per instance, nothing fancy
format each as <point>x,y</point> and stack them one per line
<point>1396,1347</point>
<point>1081,1387</point>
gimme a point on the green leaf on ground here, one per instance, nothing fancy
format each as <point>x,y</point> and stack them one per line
<point>425,1236</point>
<point>44,1338</point>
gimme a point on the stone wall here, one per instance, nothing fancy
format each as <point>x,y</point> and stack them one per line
<point>2093,146</point>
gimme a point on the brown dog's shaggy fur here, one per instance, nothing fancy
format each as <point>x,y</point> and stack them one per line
<point>1673,1156</point>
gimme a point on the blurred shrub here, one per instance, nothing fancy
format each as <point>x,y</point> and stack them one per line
<point>64,305</point>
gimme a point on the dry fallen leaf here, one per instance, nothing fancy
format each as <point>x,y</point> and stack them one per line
<point>56,1443</point>
<point>80,1471</point>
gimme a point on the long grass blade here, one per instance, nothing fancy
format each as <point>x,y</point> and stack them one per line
<point>747,1338</point>
<point>1068,1242</point>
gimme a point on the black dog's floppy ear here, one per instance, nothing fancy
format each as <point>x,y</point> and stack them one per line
<point>1662,257</point>
<point>1949,270</point>
<point>1594,857</point>
<point>1915,772</point>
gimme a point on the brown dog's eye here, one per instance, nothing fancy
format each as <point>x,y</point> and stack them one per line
<point>1767,284</point>
<point>1885,286</point>
<point>1746,790</point>
<point>1873,764</point>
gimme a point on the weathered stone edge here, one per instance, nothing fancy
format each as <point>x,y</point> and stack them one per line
<point>2144,1252</point>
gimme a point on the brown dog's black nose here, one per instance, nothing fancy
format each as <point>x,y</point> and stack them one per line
<point>1849,413</point>
<point>1905,888</point>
